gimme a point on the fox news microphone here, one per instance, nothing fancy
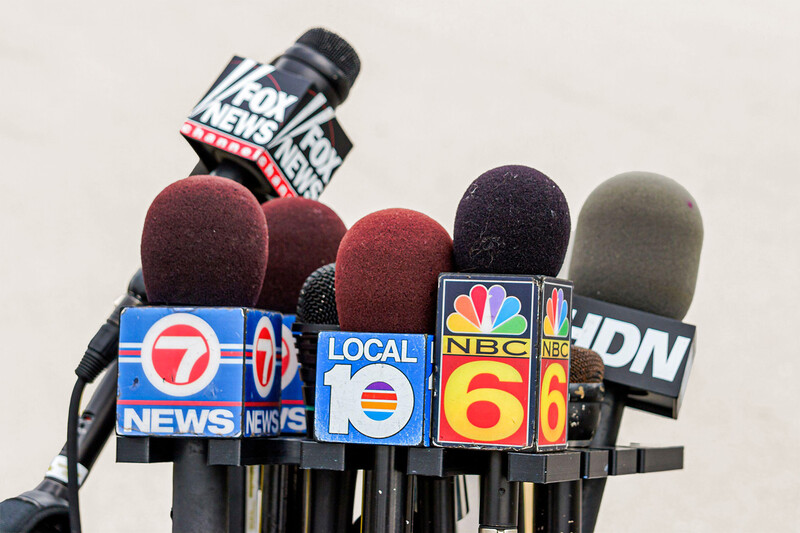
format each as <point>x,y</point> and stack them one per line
<point>204,243</point>
<point>46,507</point>
<point>511,220</point>
<point>372,375</point>
<point>634,265</point>
<point>304,235</point>
<point>272,127</point>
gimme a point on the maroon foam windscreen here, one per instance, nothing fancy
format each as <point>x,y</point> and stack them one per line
<point>387,271</point>
<point>204,243</point>
<point>303,236</point>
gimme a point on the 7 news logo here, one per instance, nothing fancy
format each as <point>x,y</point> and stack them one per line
<point>181,372</point>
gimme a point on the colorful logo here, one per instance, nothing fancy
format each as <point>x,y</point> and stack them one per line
<point>264,348</point>
<point>555,322</point>
<point>487,312</point>
<point>379,400</point>
<point>180,354</point>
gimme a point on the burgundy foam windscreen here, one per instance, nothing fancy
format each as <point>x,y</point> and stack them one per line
<point>204,243</point>
<point>512,220</point>
<point>303,236</point>
<point>585,366</point>
<point>387,272</point>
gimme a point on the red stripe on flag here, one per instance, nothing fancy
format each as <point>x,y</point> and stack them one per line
<point>379,396</point>
<point>177,402</point>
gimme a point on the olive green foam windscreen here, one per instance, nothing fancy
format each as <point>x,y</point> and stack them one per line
<point>637,244</point>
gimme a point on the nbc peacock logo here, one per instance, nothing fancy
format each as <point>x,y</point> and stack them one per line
<point>556,323</point>
<point>487,311</point>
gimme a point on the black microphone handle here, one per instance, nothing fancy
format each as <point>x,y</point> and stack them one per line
<point>606,435</point>
<point>384,505</point>
<point>499,497</point>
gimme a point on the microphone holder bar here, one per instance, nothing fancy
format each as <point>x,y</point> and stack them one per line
<point>558,475</point>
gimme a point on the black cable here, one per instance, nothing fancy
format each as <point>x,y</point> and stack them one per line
<point>72,456</point>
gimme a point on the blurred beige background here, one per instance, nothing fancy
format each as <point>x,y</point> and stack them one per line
<point>93,95</point>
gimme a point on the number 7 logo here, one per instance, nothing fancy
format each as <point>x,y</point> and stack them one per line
<point>180,354</point>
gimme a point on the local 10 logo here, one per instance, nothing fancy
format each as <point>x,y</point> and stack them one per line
<point>213,372</point>
<point>372,388</point>
<point>493,386</point>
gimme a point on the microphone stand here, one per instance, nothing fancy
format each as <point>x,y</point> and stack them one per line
<point>499,498</point>
<point>606,435</point>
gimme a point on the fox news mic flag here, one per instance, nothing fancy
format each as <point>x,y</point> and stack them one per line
<point>272,122</point>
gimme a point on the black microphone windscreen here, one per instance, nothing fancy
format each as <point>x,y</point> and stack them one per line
<point>336,49</point>
<point>317,301</point>
<point>512,220</point>
<point>637,244</point>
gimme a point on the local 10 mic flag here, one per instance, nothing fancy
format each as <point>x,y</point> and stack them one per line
<point>199,371</point>
<point>373,388</point>
<point>502,362</point>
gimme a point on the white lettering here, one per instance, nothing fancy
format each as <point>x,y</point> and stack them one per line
<point>655,343</point>
<point>630,342</point>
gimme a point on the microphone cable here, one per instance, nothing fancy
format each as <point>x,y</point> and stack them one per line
<point>102,350</point>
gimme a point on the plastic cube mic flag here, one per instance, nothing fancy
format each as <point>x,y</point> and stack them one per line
<point>210,372</point>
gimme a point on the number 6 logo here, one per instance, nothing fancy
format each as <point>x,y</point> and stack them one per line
<point>180,354</point>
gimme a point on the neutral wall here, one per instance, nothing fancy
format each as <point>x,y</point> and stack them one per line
<point>92,95</point>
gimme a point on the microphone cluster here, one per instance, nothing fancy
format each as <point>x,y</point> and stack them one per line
<point>266,316</point>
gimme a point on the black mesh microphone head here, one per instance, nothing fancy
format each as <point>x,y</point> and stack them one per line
<point>512,220</point>
<point>317,301</point>
<point>637,244</point>
<point>326,60</point>
<point>336,49</point>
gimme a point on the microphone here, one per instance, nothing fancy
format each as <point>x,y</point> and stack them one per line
<point>511,220</point>
<point>329,495</point>
<point>304,235</point>
<point>45,508</point>
<point>371,387</point>
<point>637,246</point>
<point>272,127</point>
<point>181,366</point>
<point>316,312</point>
